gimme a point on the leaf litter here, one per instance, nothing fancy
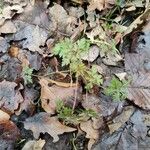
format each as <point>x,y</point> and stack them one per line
<point>33,78</point>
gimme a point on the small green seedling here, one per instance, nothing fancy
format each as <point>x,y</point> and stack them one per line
<point>27,74</point>
<point>68,116</point>
<point>71,54</point>
<point>117,89</point>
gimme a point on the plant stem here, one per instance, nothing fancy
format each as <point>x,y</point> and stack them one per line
<point>75,99</point>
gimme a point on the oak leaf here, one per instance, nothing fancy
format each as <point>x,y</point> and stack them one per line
<point>42,123</point>
<point>10,96</point>
<point>49,95</point>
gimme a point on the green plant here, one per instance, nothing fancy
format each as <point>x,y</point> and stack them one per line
<point>117,89</point>
<point>68,116</point>
<point>27,74</point>
<point>71,54</point>
<point>1,6</point>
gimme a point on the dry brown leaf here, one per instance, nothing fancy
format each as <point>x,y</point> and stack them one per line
<point>4,116</point>
<point>61,84</point>
<point>139,20</point>
<point>9,132</point>
<point>34,145</point>
<point>13,51</point>
<point>91,133</point>
<point>29,95</point>
<point>49,95</point>
<point>87,127</point>
<point>10,96</point>
<point>121,119</point>
<point>100,4</point>
<point>42,123</point>
<point>92,54</point>
<point>91,102</point>
<point>138,91</point>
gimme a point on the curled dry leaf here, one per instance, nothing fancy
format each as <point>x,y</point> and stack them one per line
<point>42,123</point>
<point>34,145</point>
<point>50,95</point>
<point>10,96</point>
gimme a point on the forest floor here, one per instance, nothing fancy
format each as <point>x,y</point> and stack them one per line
<point>74,75</point>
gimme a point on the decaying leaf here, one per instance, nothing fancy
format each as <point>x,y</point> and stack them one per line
<point>9,132</point>
<point>3,45</point>
<point>139,20</point>
<point>63,22</point>
<point>42,123</point>
<point>100,4</point>
<point>33,36</point>
<point>121,119</point>
<point>138,91</point>
<point>34,145</point>
<point>129,136</point>
<point>92,54</point>
<point>29,95</point>
<point>10,96</point>
<point>91,133</point>
<point>8,27</point>
<point>91,102</point>
<point>50,95</point>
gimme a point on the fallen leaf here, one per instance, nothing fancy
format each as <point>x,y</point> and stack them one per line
<point>34,145</point>
<point>37,15</point>
<point>14,51</point>
<point>4,116</point>
<point>121,75</point>
<point>8,27</point>
<point>50,95</point>
<point>42,123</point>
<point>64,22</point>
<point>9,132</point>
<point>100,4</point>
<point>130,135</point>
<point>61,84</point>
<point>120,120</point>
<point>139,20</point>
<point>3,45</point>
<point>138,90</point>
<point>29,95</point>
<point>10,96</point>
<point>33,36</point>
<point>91,133</point>
<point>92,54</point>
<point>91,102</point>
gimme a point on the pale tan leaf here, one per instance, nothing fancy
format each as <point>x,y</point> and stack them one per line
<point>100,4</point>
<point>121,119</point>
<point>42,123</point>
<point>87,127</point>
<point>34,145</point>
<point>50,95</point>
<point>4,116</point>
